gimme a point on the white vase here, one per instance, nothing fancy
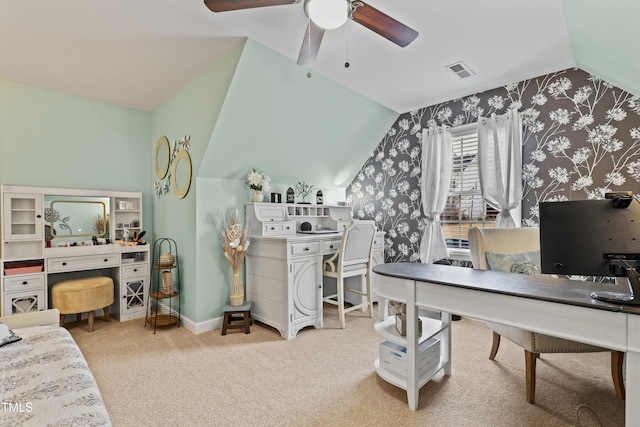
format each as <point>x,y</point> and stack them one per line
<point>257,196</point>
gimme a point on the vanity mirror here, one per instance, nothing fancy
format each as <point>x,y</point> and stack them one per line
<point>71,218</point>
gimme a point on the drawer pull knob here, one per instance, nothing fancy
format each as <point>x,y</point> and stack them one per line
<point>331,246</point>
<point>64,263</point>
<point>106,259</point>
<point>135,270</point>
<point>25,282</point>
<point>306,249</point>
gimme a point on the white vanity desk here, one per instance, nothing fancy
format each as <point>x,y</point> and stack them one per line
<point>127,265</point>
<point>284,268</point>
<point>28,268</point>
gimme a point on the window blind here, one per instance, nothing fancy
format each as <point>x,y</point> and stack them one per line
<point>465,207</point>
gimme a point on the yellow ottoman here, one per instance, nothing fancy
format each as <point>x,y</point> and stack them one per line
<point>83,295</point>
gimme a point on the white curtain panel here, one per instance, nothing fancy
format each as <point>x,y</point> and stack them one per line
<point>437,164</point>
<point>500,164</point>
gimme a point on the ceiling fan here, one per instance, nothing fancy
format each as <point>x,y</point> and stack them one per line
<point>356,10</point>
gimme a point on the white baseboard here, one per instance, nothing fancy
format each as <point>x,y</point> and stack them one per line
<point>206,326</point>
<point>191,326</point>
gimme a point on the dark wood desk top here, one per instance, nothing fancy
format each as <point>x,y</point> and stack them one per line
<point>545,288</point>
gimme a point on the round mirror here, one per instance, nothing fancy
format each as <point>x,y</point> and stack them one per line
<point>161,157</point>
<point>181,174</point>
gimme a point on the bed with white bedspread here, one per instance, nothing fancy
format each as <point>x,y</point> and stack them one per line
<point>45,379</point>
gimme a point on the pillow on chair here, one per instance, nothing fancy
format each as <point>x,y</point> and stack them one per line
<point>523,263</point>
<point>7,336</point>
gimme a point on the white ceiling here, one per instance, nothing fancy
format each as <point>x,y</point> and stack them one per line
<point>138,53</point>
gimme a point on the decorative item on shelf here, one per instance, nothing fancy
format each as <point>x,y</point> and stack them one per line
<point>303,189</point>
<point>137,238</point>
<point>166,260</point>
<point>319,197</point>
<point>166,159</point>
<point>401,325</point>
<point>257,196</point>
<point>101,225</point>
<point>291,195</point>
<point>276,198</point>
<point>258,181</point>
<point>399,309</point>
<point>235,245</point>
<point>167,282</point>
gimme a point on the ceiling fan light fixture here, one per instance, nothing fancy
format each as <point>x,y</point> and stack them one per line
<point>328,14</point>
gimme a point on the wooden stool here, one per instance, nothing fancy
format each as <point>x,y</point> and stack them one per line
<point>83,295</point>
<point>241,313</point>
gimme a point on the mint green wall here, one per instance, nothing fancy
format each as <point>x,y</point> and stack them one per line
<point>599,33</point>
<point>192,111</point>
<point>294,128</point>
<point>51,139</point>
<point>291,126</point>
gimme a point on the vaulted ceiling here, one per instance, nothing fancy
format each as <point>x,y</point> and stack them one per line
<point>139,53</point>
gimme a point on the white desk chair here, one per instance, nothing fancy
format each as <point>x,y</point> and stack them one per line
<point>353,258</point>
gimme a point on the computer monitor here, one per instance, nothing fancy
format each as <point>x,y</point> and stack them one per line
<point>593,238</point>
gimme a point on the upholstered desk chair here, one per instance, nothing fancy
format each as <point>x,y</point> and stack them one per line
<point>353,258</point>
<point>499,247</point>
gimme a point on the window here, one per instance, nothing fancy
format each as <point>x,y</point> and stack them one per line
<point>465,207</point>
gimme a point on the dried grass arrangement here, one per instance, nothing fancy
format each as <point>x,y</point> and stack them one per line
<point>235,245</point>
<point>101,224</point>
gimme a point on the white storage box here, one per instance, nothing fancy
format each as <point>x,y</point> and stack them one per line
<point>394,357</point>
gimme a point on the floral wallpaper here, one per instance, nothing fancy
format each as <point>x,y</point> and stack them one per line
<point>581,139</point>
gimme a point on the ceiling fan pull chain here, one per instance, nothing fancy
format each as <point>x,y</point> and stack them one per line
<point>346,62</point>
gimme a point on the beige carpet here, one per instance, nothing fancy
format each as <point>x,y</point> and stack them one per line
<point>325,377</point>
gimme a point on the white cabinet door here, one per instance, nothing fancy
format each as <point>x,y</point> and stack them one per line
<point>306,304</point>
<point>23,216</point>
<point>23,302</point>
<point>133,294</point>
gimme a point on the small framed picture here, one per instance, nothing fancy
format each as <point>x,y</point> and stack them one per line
<point>122,205</point>
<point>126,225</point>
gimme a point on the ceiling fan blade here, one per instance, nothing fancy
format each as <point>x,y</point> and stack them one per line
<point>229,5</point>
<point>310,44</point>
<point>383,24</point>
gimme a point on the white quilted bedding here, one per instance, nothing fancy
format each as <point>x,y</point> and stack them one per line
<point>45,381</point>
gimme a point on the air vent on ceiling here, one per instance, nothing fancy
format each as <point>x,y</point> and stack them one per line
<point>461,70</point>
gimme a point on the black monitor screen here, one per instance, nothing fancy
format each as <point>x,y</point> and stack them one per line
<point>589,237</point>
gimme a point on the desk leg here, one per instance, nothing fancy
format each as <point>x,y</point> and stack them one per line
<point>412,346</point>
<point>445,342</point>
<point>632,358</point>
